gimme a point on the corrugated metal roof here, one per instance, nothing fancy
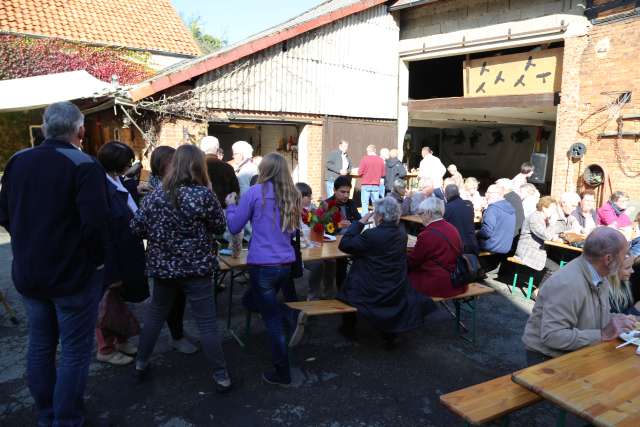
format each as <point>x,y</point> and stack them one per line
<point>320,15</point>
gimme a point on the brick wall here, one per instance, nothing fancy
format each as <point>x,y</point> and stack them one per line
<point>314,162</point>
<point>172,132</point>
<point>603,61</point>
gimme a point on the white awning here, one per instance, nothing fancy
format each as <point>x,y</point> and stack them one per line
<point>39,91</point>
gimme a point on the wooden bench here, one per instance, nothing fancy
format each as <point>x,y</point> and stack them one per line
<point>514,284</point>
<point>485,253</point>
<point>322,307</point>
<point>465,302</point>
<point>488,401</point>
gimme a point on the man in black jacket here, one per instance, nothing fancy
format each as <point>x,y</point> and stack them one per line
<point>338,164</point>
<point>459,213</point>
<point>53,204</point>
<point>394,170</point>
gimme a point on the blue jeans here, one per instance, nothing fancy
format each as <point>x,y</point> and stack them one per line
<point>366,192</point>
<point>262,296</point>
<point>199,293</point>
<point>59,390</point>
<point>329,184</point>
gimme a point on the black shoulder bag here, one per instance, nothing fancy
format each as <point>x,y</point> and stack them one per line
<point>467,266</point>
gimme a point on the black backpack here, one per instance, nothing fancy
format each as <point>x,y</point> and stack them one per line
<point>467,268</point>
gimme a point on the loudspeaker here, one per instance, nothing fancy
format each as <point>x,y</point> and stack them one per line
<point>539,161</point>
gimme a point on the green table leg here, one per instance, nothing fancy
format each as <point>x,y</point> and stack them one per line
<point>515,282</point>
<point>530,287</point>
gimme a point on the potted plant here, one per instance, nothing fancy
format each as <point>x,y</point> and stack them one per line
<point>322,219</point>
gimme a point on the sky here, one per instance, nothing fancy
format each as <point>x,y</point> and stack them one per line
<point>239,19</point>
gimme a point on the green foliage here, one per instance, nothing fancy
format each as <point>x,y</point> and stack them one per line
<point>207,42</point>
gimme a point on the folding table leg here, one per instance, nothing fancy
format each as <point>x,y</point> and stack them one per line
<point>233,334</point>
<point>530,287</point>
<point>515,282</point>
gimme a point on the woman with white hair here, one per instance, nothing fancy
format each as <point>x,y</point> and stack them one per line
<point>434,256</point>
<point>377,283</point>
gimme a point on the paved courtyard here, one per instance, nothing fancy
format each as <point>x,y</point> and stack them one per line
<point>337,383</point>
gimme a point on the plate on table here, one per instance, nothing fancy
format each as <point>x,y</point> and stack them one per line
<point>329,238</point>
<point>631,336</point>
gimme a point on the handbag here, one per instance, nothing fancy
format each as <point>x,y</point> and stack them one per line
<point>467,266</point>
<point>115,317</point>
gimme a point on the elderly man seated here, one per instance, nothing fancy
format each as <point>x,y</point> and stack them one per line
<point>377,283</point>
<point>564,220</point>
<point>572,309</point>
<point>459,213</point>
<point>585,214</point>
<point>498,223</point>
<point>398,192</point>
<point>426,190</point>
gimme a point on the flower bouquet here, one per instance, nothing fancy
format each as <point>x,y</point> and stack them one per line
<point>322,219</point>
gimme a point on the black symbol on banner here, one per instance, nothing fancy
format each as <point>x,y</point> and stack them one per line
<point>529,64</point>
<point>543,76</point>
<point>498,78</point>
<point>520,82</point>
<point>484,68</point>
<point>481,88</point>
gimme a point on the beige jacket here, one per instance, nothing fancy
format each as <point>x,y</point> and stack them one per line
<point>569,313</point>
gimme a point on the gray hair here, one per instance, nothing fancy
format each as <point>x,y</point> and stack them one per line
<point>570,198</point>
<point>528,190</point>
<point>62,120</point>
<point>604,241</point>
<point>388,209</point>
<point>432,206</point>
<point>450,191</point>
<point>244,148</point>
<point>399,183</point>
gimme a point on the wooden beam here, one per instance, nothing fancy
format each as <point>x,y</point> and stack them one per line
<point>514,101</point>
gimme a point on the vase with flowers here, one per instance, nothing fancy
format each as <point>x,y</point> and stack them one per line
<point>322,219</point>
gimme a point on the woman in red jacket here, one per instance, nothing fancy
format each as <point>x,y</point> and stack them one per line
<point>434,256</point>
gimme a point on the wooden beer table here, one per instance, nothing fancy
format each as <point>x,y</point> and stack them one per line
<point>412,218</point>
<point>600,383</point>
<point>325,251</point>
<point>562,246</point>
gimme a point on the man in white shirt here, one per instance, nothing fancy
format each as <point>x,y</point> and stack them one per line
<point>431,168</point>
<point>245,168</point>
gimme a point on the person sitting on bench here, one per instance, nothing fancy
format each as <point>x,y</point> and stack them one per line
<point>435,254</point>
<point>377,283</point>
<point>537,228</point>
<point>572,309</point>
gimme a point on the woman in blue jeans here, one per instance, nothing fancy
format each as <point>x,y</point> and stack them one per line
<point>273,207</point>
<point>179,220</point>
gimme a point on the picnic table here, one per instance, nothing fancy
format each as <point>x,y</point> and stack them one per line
<point>562,246</point>
<point>597,383</point>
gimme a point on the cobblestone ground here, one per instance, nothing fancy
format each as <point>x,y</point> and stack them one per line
<point>336,383</point>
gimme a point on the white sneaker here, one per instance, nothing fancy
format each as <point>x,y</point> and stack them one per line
<point>114,358</point>
<point>127,348</point>
<point>183,345</point>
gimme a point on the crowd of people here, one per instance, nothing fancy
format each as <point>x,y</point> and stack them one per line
<point>78,226</point>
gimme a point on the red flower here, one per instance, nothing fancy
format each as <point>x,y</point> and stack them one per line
<point>337,217</point>
<point>320,212</point>
<point>331,203</point>
<point>318,228</point>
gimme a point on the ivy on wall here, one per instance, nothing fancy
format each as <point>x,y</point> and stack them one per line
<point>25,57</point>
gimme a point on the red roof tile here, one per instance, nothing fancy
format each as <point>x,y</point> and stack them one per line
<point>142,24</point>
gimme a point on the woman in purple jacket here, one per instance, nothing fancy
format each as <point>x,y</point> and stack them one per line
<point>273,207</point>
